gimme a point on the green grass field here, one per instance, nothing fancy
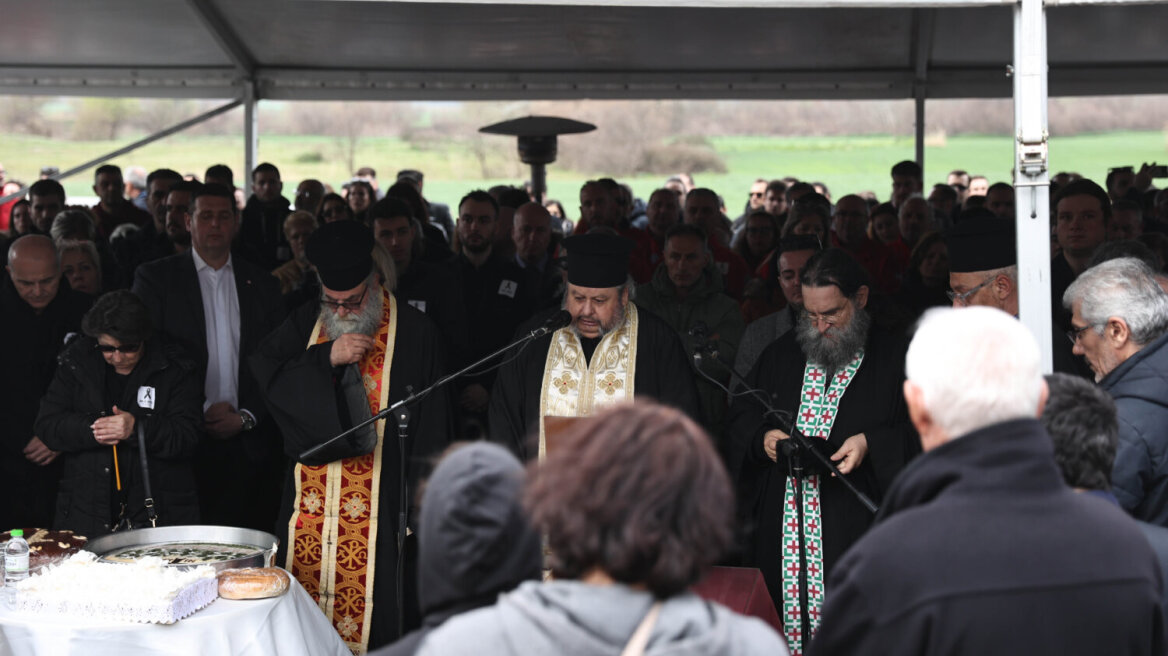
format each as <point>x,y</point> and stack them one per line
<point>845,164</point>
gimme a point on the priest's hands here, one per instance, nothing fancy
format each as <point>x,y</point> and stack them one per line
<point>770,443</point>
<point>114,428</point>
<point>851,454</point>
<point>349,349</point>
<point>222,421</point>
<point>38,454</point>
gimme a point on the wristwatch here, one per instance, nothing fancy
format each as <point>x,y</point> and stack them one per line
<point>248,421</point>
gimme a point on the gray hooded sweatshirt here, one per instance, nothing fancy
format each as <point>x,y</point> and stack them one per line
<point>570,618</point>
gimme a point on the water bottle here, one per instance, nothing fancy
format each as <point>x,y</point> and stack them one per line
<point>15,564</point>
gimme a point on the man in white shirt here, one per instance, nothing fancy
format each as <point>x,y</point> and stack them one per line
<point>218,308</point>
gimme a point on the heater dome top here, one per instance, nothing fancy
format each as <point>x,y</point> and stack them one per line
<point>538,126</point>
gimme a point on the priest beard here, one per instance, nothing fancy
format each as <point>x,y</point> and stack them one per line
<point>618,318</point>
<point>834,351</point>
<point>364,322</point>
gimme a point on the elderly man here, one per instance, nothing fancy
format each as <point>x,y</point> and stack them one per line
<point>609,353</point>
<point>686,292</point>
<point>218,307</point>
<point>979,547</point>
<point>328,367</point>
<point>838,380</point>
<point>309,194</point>
<point>983,270</point>
<point>663,212</point>
<point>39,315</point>
<point>1119,321</point>
<point>849,225</point>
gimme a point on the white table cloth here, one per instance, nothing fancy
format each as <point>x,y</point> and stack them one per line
<point>288,625</point>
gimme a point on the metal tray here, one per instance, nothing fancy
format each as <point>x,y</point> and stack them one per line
<point>265,542</point>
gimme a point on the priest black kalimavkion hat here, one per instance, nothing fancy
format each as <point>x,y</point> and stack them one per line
<point>598,260</point>
<point>981,245</point>
<point>341,251</point>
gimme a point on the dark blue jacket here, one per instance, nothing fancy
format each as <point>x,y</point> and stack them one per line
<point>1140,388</point>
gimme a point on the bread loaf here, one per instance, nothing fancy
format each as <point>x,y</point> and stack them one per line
<point>253,583</point>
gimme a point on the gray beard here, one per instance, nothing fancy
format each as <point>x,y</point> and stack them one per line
<point>832,353</point>
<point>618,319</point>
<point>365,322</point>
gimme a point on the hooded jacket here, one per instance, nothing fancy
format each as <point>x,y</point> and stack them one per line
<point>474,541</point>
<point>980,548</point>
<point>570,618</point>
<point>1139,386</point>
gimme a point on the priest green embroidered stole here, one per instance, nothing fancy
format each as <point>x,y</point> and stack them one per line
<point>818,404</point>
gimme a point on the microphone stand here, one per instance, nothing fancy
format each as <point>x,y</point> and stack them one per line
<point>401,413</point>
<point>793,449</point>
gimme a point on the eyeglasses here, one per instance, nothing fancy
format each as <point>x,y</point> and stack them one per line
<point>351,306</point>
<point>1074,333</point>
<point>124,348</point>
<point>831,318</point>
<point>963,298</point>
<point>757,194</point>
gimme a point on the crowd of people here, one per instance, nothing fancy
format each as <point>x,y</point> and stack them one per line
<point>690,384</point>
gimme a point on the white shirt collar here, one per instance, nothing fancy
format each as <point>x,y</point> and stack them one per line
<point>201,264</point>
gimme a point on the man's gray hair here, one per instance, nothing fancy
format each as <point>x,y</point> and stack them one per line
<point>975,367</point>
<point>1125,288</point>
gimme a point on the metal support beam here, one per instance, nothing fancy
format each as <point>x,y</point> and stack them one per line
<point>1031,174</point>
<point>251,142</point>
<point>177,127</point>
<point>224,35</point>
<point>923,27</point>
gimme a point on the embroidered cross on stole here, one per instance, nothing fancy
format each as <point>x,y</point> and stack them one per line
<point>574,387</point>
<point>818,405</point>
<point>332,536</point>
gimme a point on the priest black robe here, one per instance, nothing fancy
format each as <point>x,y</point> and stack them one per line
<point>873,404</point>
<point>299,385</point>
<point>663,373</point>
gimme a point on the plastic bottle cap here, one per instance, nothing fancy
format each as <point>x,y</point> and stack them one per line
<point>17,533</point>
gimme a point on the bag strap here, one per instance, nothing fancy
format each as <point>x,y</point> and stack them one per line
<point>636,644</point>
<point>153,516</point>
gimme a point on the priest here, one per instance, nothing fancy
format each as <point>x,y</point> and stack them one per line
<point>838,381</point>
<point>610,352</point>
<point>330,365</point>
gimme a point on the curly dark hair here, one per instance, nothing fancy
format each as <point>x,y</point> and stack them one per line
<point>121,315</point>
<point>1083,422</point>
<point>637,491</point>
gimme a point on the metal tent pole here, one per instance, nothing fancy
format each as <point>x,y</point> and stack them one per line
<point>250,135</point>
<point>1031,174</point>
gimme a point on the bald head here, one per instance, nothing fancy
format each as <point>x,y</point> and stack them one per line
<point>531,232</point>
<point>35,270</point>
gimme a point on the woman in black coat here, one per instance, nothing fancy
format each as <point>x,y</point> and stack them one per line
<point>109,384</point>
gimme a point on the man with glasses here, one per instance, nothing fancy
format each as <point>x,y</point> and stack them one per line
<point>218,307</point>
<point>983,270</point>
<point>838,380</point>
<point>332,364</point>
<point>753,202</point>
<point>1119,323</point>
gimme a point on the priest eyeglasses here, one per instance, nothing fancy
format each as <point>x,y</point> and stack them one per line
<point>350,305</point>
<point>963,297</point>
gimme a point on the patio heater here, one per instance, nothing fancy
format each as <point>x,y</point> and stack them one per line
<point>537,143</point>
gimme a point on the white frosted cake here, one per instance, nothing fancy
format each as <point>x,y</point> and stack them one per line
<point>144,591</point>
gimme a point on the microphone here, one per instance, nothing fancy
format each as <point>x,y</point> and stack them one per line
<point>703,342</point>
<point>554,323</point>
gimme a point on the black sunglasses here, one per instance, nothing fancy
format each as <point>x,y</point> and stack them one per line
<point>124,348</point>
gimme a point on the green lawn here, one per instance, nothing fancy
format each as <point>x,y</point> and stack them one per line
<point>845,164</point>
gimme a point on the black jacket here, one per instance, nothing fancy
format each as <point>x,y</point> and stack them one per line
<point>980,548</point>
<point>1139,386</point>
<point>261,233</point>
<point>474,542</point>
<point>28,358</point>
<point>77,397</point>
